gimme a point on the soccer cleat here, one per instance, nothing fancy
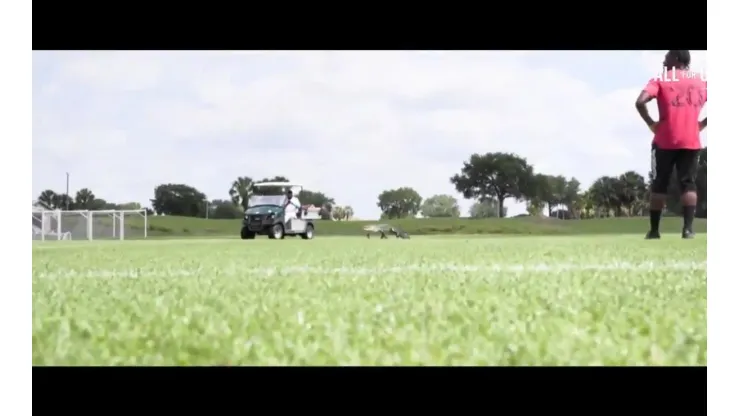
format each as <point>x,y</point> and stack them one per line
<point>653,235</point>
<point>687,234</point>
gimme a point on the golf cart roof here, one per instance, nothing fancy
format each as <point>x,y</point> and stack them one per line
<point>256,200</point>
<point>278,184</point>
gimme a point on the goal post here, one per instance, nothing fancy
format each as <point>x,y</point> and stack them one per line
<point>47,225</point>
<point>90,225</point>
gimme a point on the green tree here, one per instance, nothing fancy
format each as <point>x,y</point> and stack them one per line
<point>349,212</point>
<point>318,199</point>
<point>495,176</point>
<point>557,188</point>
<point>587,204</point>
<point>399,203</point>
<point>631,191</point>
<point>101,204</point>
<point>439,206</point>
<point>343,213</point>
<point>129,206</point>
<point>326,212</point>
<point>179,199</point>
<point>538,194</point>
<point>84,199</point>
<point>535,207</point>
<point>240,191</point>
<point>604,193</point>
<point>64,201</point>
<point>220,209</point>
<point>486,209</point>
<point>48,198</point>
<point>577,206</point>
<point>571,196</point>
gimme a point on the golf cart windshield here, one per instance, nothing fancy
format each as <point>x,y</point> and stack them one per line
<point>258,200</point>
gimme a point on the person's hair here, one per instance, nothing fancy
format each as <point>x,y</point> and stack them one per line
<point>683,58</point>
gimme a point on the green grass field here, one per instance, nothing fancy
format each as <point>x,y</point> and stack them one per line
<point>588,300</point>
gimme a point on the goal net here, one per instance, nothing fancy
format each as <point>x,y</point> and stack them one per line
<point>89,225</point>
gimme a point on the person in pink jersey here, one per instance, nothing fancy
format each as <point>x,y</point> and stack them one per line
<point>681,95</point>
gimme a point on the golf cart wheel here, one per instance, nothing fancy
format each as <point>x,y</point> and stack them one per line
<point>246,234</point>
<point>308,235</point>
<point>277,232</point>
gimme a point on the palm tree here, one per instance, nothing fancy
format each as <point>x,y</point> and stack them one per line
<point>63,201</point>
<point>348,212</point>
<point>632,191</point>
<point>48,199</point>
<point>538,195</point>
<point>241,190</point>
<point>587,203</point>
<point>577,206</point>
<point>338,213</point>
<point>570,196</point>
<point>605,197</point>
<point>326,211</point>
<point>557,187</point>
<point>84,199</point>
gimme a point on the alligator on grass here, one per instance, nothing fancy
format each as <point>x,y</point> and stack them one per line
<point>385,229</point>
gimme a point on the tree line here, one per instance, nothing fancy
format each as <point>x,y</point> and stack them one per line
<point>84,199</point>
<point>489,179</point>
<point>492,178</point>
<point>186,200</point>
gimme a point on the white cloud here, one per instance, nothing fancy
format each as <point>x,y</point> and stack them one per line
<point>348,123</point>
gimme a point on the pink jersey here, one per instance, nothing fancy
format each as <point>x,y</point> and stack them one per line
<point>681,95</point>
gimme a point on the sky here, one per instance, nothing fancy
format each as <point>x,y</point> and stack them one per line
<point>347,123</point>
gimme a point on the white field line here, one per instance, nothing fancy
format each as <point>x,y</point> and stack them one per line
<point>244,270</point>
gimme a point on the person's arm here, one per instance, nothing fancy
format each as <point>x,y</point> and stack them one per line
<point>703,123</point>
<point>648,94</point>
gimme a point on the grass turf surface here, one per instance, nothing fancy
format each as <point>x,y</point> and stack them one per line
<point>615,300</point>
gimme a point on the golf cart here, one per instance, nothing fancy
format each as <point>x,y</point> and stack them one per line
<point>267,214</point>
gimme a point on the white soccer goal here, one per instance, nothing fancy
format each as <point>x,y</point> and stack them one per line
<point>89,225</point>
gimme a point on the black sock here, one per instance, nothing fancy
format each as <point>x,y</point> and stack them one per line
<point>688,217</point>
<point>655,219</point>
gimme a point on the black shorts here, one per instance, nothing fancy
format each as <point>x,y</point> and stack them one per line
<point>663,161</point>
